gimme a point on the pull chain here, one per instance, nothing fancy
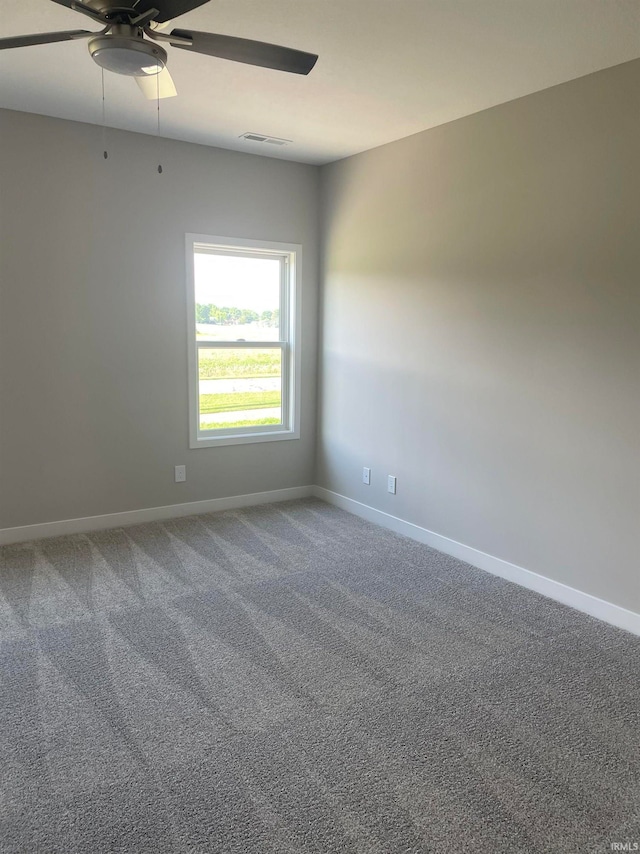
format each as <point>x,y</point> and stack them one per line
<point>158,128</point>
<point>104,127</point>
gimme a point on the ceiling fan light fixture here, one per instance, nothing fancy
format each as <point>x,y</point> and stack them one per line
<point>125,55</point>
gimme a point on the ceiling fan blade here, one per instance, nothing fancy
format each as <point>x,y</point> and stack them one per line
<point>43,38</point>
<point>66,3</point>
<point>247,50</point>
<point>160,85</point>
<point>167,9</point>
<point>79,6</point>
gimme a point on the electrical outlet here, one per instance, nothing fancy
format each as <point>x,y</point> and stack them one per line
<point>366,475</point>
<point>391,484</point>
<point>181,474</point>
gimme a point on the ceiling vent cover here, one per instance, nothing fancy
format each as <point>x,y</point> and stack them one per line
<point>261,137</point>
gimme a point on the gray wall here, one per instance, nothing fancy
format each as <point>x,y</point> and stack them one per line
<point>93,350</point>
<point>481,331</point>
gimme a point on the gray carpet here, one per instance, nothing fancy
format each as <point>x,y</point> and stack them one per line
<point>289,678</point>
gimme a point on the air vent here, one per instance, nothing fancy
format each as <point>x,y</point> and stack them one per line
<point>260,137</point>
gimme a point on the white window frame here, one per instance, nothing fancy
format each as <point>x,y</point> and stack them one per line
<point>290,320</point>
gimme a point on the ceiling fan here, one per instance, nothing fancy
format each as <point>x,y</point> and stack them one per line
<point>129,42</point>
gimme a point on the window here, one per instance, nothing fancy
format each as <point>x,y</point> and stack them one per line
<point>243,319</point>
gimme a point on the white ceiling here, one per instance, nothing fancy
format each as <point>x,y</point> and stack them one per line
<point>387,68</point>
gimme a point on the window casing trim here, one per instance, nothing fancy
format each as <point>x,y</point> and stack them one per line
<point>290,320</point>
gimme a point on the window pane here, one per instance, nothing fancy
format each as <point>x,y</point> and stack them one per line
<point>239,387</point>
<point>237,299</point>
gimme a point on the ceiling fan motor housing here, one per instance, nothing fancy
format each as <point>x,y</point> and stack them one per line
<point>124,51</point>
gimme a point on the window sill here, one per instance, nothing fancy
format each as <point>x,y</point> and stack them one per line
<point>243,439</point>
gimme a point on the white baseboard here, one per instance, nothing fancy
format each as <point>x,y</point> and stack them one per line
<point>599,608</point>
<point>150,514</point>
